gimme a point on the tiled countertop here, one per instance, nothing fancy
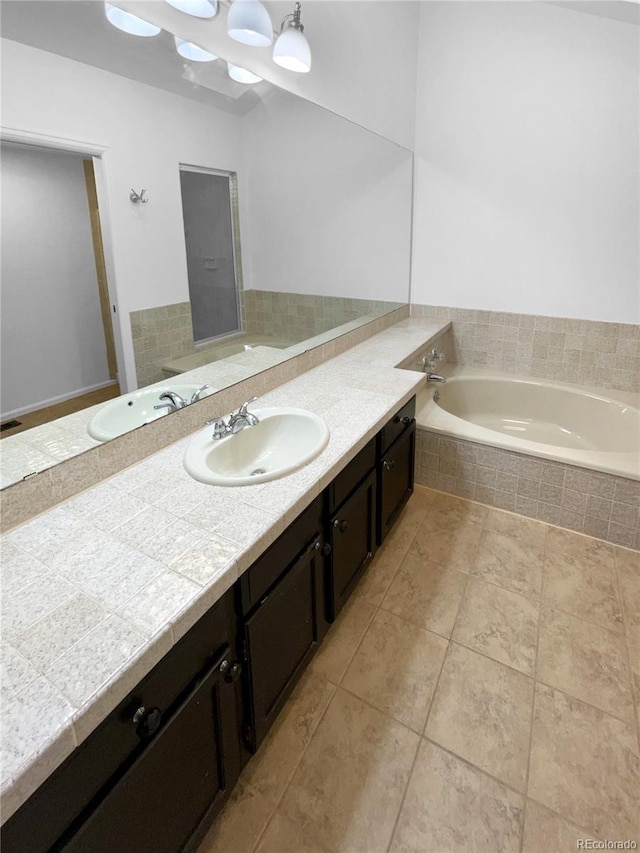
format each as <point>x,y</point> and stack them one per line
<point>97,590</point>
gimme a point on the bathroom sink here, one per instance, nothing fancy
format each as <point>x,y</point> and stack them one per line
<point>129,411</point>
<point>283,441</point>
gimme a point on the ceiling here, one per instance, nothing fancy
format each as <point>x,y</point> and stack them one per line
<point>618,10</point>
<point>79,30</point>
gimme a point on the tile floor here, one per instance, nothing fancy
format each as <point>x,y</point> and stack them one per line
<point>476,694</point>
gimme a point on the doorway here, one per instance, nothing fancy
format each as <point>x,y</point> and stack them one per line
<point>57,341</point>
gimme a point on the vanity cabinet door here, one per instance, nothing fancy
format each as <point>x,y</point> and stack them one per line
<point>177,782</point>
<point>353,542</point>
<point>280,638</point>
<point>395,479</point>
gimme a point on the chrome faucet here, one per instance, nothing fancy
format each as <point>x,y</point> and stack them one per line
<point>435,377</point>
<point>173,400</point>
<point>433,358</point>
<point>235,422</point>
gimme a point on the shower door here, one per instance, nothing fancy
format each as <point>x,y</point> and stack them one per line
<point>210,228</point>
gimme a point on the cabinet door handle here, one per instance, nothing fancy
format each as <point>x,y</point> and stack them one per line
<point>340,525</point>
<point>389,464</point>
<point>407,420</point>
<point>148,721</point>
<point>230,671</point>
<point>326,549</point>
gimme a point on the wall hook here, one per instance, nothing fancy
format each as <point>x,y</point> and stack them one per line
<point>138,198</point>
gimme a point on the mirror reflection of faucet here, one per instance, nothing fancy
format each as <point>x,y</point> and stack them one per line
<point>235,422</point>
<point>174,401</point>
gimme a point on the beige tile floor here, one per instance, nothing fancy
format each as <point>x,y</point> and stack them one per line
<point>476,694</point>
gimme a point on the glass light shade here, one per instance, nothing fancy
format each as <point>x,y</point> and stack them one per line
<point>197,8</point>
<point>191,51</point>
<point>241,75</point>
<point>249,22</point>
<point>129,23</point>
<point>292,51</point>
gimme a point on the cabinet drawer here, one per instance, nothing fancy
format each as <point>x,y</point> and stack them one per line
<point>118,740</point>
<point>351,476</point>
<point>394,427</point>
<point>262,575</point>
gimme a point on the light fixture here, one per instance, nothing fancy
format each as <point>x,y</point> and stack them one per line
<point>242,75</point>
<point>189,50</point>
<point>291,50</point>
<point>249,23</point>
<point>129,23</point>
<point>197,8</point>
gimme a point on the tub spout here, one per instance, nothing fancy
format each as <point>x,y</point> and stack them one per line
<point>435,377</point>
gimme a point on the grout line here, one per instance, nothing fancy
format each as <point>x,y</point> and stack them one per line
<point>634,698</point>
<point>535,683</point>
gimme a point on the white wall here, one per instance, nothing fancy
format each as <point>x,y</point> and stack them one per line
<point>526,192</point>
<point>364,56</point>
<point>51,331</point>
<point>147,133</point>
<point>332,212</point>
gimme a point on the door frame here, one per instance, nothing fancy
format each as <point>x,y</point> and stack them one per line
<point>98,153</point>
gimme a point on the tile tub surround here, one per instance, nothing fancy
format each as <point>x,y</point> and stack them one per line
<point>269,312</point>
<point>98,589</point>
<point>159,335</point>
<point>443,715</point>
<point>72,473</point>
<point>588,502</point>
<point>585,352</point>
<point>165,333</point>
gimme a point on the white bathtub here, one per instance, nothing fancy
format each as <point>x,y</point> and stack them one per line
<point>553,420</point>
<point>224,349</point>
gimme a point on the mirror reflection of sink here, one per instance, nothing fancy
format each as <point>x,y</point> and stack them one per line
<point>285,440</point>
<point>130,411</point>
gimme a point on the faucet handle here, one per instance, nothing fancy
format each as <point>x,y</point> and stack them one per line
<point>220,428</point>
<point>196,394</point>
<point>242,411</point>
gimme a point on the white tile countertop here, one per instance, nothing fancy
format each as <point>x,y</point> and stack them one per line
<point>97,590</point>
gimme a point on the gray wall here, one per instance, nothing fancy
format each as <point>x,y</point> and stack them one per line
<point>52,337</point>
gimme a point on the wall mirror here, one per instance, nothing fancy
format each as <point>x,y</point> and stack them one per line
<point>314,241</point>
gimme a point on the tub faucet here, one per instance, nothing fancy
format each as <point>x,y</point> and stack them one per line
<point>435,377</point>
<point>433,358</point>
<point>173,401</point>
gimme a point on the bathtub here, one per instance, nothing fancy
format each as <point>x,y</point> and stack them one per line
<point>552,420</point>
<point>223,349</point>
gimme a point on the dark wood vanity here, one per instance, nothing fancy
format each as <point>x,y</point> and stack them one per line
<point>154,774</point>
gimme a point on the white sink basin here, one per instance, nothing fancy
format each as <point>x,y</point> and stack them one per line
<point>129,411</point>
<point>283,441</point>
